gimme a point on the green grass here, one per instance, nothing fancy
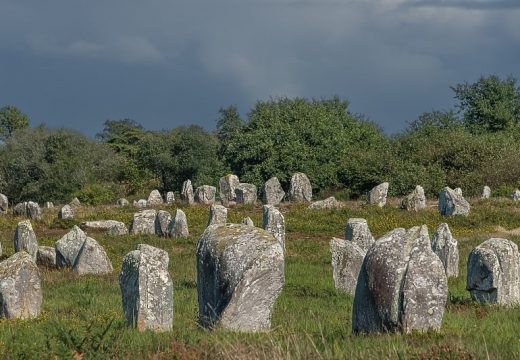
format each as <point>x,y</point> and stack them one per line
<point>83,317</point>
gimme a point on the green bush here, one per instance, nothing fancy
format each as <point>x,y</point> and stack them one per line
<point>97,194</point>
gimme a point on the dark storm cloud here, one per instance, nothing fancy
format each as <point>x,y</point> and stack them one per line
<point>470,4</point>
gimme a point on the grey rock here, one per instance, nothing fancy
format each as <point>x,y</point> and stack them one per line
<point>328,203</point>
<point>92,259</point>
<point>48,205</point>
<point>100,225</point>
<point>170,197</point>
<point>66,212</point>
<point>33,211</point>
<point>187,192</point>
<point>486,192</point>
<point>205,194</point>
<point>451,202</point>
<point>445,246</point>
<point>240,274</point>
<point>228,185</point>
<point>144,222</point>
<point>20,209</point>
<point>347,258</point>
<point>274,222</point>
<point>25,239</point>
<point>69,246</point>
<point>247,221</point>
<point>217,215</point>
<point>377,196</point>
<point>117,229</point>
<point>415,201</point>
<point>494,272</point>
<point>147,289</point>
<point>154,199</point>
<point>245,194</point>
<point>179,225</point>
<point>272,192</point>
<point>357,231</point>
<point>141,203</point>
<point>46,256</point>
<point>20,287</point>
<point>122,202</point>
<point>515,196</point>
<point>4,203</point>
<point>300,189</point>
<point>75,202</point>
<point>162,222</point>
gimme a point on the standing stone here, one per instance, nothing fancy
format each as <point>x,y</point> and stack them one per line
<point>347,258</point>
<point>33,211</point>
<point>451,202</point>
<point>187,192</point>
<point>272,192</point>
<point>170,197</point>
<point>20,209</point>
<point>240,274</point>
<point>300,189</point>
<point>20,287</point>
<point>25,239</point>
<point>141,203</point>
<point>228,185</point>
<point>117,229</point>
<point>48,205</point>
<point>144,222</point>
<point>274,222</point>
<point>357,231</point>
<point>493,272</point>
<point>205,194</point>
<point>162,221</point>
<point>445,246</point>
<point>217,215</point>
<point>4,203</point>
<point>328,203</point>
<point>377,196</point>
<point>147,289</point>
<point>247,221</point>
<point>68,247</point>
<point>486,192</point>
<point>415,201</point>
<point>402,285</point>
<point>122,202</point>
<point>179,225</point>
<point>46,256</point>
<point>245,194</point>
<point>66,212</point>
<point>92,259</point>
<point>75,202</point>
<point>154,199</point>
<point>515,196</point>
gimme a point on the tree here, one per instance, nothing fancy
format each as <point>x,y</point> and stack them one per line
<point>489,105</point>
<point>11,120</point>
<point>122,135</point>
<point>229,126</point>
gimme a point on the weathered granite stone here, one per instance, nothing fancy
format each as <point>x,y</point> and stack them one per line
<point>377,196</point>
<point>402,285</point>
<point>46,256</point>
<point>347,258</point>
<point>328,203</point>
<point>179,225</point>
<point>147,289</point>
<point>170,197</point>
<point>4,203</point>
<point>48,205</point>
<point>144,222</point>
<point>20,209</point>
<point>228,184</point>
<point>217,215</point>
<point>451,202</point>
<point>117,229</point>
<point>100,225</point>
<point>357,231</point>
<point>272,192</point>
<point>66,212</point>
<point>274,222</point>
<point>25,239</point>
<point>122,202</point>
<point>68,247</point>
<point>92,259</point>
<point>486,192</point>
<point>515,196</point>
<point>445,246</point>
<point>187,192</point>
<point>162,222</point>
<point>33,211</point>
<point>155,198</point>
<point>240,274</point>
<point>141,203</point>
<point>300,189</point>
<point>494,272</point>
<point>75,202</point>
<point>245,193</point>
<point>247,221</point>
<point>205,194</point>
<point>20,287</point>
<point>414,201</point>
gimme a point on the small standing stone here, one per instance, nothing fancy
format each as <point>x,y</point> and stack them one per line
<point>48,205</point>
<point>162,221</point>
<point>486,192</point>
<point>205,194</point>
<point>300,189</point>
<point>25,239</point>
<point>187,192</point>
<point>122,202</point>
<point>217,215</point>
<point>154,199</point>
<point>247,221</point>
<point>515,196</point>
<point>75,202</point>
<point>117,229</point>
<point>274,222</point>
<point>170,197</point>
<point>245,194</point>
<point>4,203</point>
<point>445,246</point>
<point>451,202</point>
<point>141,203</point>
<point>415,201</point>
<point>347,258</point>
<point>66,212</point>
<point>33,211</point>
<point>357,231</point>
<point>328,203</point>
<point>377,196</point>
<point>228,185</point>
<point>68,247</point>
<point>144,222</point>
<point>272,192</point>
<point>92,259</point>
<point>179,225</point>
<point>46,256</point>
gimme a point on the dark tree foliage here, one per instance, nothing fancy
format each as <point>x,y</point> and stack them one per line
<point>11,120</point>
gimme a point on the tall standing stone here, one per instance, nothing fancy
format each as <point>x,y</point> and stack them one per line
<point>377,196</point>
<point>486,192</point>
<point>144,222</point>
<point>445,246</point>
<point>162,222</point>
<point>179,225</point>
<point>170,197</point>
<point>228,184</point>
<point>451,202</point>
<point>245,194</point>
<point>154,199</point>
<point>4,203</point>
<point>147,289</point>
<point>274,222</point>
<point>205,194</point>
<point>92,259</point>
<point>20,287</point>
<point>272,192</point>
<point>25,239</point>
<point>69,246</point>
<point>240,274</point>
<point>187,192</point>
<point>66,212</point>
<point>357,231</point>
<point>300,189</point>
<point>217,215</point>
<point>415,201</point>
<point>494,272</point>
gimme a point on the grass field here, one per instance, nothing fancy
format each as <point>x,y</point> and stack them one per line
<point>82,317</point>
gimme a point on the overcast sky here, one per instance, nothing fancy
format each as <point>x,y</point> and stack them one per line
<point>165,63</point>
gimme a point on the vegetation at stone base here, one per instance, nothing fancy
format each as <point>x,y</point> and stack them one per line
<point>83,317</point>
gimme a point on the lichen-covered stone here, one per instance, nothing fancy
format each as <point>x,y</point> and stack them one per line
<point>122,202</point>
<point>147,289</point>
<point>486,192</point>
<point>414,201</point>
<point>66,212</point>
<point>245,193</point>
<point>274,222</point>
<point>68,247</point>
<point>217,215</point>
<point>141,203</point>
<point>515,196</point>
<point>272,192</point>
<point>4,203</point>
<point>240,274</point>
<point>347,258</point>
<point>144,222</point>
<point>187,192</point>
<point>20,287</point>
<point>445,246</point>
<point>228,185</point>
<point>451,202</point>
<point>357,231</point>
<point>328,203</point>
<point>300,189</point>
<point>179,225</point>
<point>155,198</point>
<point>170,197</point>
<point>247,221</point>
<point>25,239</point>
<point>101,225</point>
<point>92,259</point>
<point>377,196</point>
<point>117,229</point>
<point>205,194</point>
<point>46,256</point>
<point>494,272</point>
<point>162,222</point>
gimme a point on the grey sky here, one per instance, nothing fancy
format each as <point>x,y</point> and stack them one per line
<point>165,63</point>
